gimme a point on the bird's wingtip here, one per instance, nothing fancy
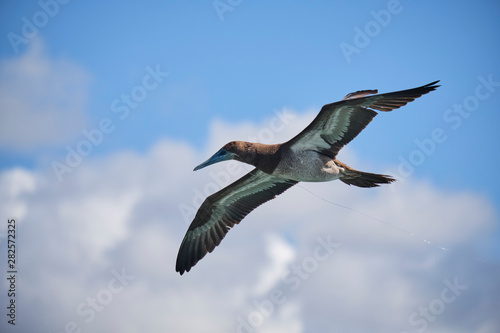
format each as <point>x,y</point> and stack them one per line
<point>180,270</point>
<point>433,84</point>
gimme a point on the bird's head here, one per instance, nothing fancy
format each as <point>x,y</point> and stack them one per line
<point>230,151</point>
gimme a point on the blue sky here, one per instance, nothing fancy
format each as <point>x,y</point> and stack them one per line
<point>264,57</point>
<point>223,70</point>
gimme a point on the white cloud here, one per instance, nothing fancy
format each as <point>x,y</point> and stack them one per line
<point>42,101</point>
<point>281,255</point>
<point>15,184</point>
<point>286,320</point>
<point>122,211</point>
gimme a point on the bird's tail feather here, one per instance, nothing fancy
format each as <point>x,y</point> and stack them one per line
<point>354,177</point>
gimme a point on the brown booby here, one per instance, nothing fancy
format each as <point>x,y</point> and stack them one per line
<point>308,157</point>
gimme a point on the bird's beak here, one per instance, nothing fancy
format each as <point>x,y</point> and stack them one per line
<point>221,155</point>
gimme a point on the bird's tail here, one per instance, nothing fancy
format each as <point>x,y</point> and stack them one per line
<point>354,177</point>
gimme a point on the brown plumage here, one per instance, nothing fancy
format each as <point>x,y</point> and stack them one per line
<point>309,156</point>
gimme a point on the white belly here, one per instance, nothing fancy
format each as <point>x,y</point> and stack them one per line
<point>307,166</point>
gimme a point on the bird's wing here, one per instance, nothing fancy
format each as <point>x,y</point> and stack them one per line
<point>222,210</point>
<point>338,123</point>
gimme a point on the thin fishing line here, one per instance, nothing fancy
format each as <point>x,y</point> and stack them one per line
<point>410,233</point>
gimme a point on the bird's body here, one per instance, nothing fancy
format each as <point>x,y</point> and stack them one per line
<point>308,157</point>
<point>307,166</point>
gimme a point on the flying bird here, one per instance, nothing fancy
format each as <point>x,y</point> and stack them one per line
<point>308,157</point>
